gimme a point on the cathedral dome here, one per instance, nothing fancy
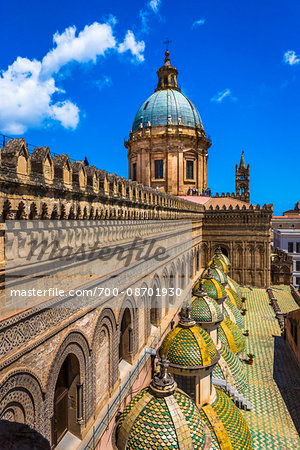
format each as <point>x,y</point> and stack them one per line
<point>161,416</point>
<point>188,346</point>
<point>231,335</point>
<point>167,107</point>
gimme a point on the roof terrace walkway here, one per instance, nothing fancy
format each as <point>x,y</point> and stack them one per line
<point>274,378</point>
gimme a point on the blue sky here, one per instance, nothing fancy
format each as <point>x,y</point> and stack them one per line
<point>77,89</point>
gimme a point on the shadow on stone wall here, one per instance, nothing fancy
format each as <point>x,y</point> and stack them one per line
<point>286,374</point>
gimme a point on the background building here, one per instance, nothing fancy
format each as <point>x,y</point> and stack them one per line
<point>286,236</point>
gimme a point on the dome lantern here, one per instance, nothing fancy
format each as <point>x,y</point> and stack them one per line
<point>167,75</point>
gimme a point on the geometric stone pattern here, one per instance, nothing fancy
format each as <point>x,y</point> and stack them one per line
<point>271,418</point>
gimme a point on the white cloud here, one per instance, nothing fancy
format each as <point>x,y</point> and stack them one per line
<point>92,42</point>
<point>154,4</point>
<point>219,97</point>
<point>66,113</point>
<point>291,58</point>
<point>136,48</point>
<point>28,87</point>
<point>197,23</point>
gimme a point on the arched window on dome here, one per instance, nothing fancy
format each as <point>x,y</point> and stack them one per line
<point>165,81</point>
<point>172,80</point>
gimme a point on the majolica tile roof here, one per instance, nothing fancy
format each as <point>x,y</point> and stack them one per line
<point>214,288</point>
<point>217,274</point>
<point>231,311</point>
<point>234,285</point>
<point>228,427</point>
<point>220,264</point>
<point>150,422</point>
<point>188,347</point>
<point>234,297</point>
<point>231,369</point>
<point>230,335</point>
<point>205,309</point>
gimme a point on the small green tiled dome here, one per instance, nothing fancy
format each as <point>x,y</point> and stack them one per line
<point>220,255</point>
<point>227,425</point>
<point>232,312</point>
<point>188,346</point>
<point>233,285</point>
<point>234,298</point>
<point>231,369</point>
<point>230,335</point>
<point>213,272</point>
<point>153,422</point>
<point>220,264</point>
<point>206,309</point>
<point>214,288</point>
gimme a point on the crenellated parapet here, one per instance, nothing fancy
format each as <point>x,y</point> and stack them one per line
<point>38,186</point>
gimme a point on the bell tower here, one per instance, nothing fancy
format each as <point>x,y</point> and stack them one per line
<point>242,177</point>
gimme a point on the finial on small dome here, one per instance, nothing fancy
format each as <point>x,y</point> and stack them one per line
<point>162,383</point>
<point>186,319</point>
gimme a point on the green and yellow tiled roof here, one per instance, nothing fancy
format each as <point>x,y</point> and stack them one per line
<point>217,274</point>
<point>232,312</point>
<point>150,422</point>
<point>234,297</point>
<point>220,264</point>
<point>206,309</point>
<point>230,335</point>
<point>188,347</point>
<point>213,288</point>
<point>234,285</point>
<point>231,369</point>
<point>229,430</point>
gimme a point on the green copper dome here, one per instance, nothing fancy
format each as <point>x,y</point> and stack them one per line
<point>206,309</point>
<point>230,335</point>
<point>167,107</point>
<point>229,430</point>
<point>231,369</point>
